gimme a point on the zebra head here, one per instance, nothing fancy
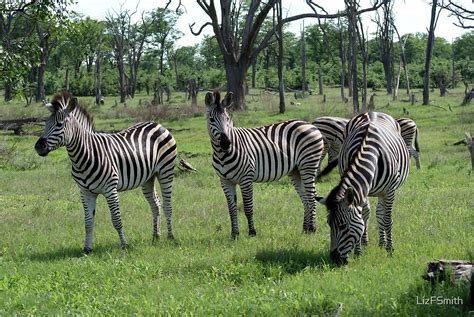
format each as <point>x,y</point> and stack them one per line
<point>55,131</point>
<point>345,222</point>
<point>219,121</point>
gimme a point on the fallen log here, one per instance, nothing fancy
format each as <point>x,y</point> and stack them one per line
<point>16,125</point>
<point>461,271</point>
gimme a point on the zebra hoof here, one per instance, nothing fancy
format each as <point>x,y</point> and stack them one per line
<point>252,233</point>
<point>86,251</point>
<point>125,246</point>
<point>309,230</point>
<point>155,238</point>
<point>170,237</point>
<point>234,235</point>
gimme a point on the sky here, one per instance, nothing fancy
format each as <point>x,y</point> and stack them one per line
<point>410,15</point>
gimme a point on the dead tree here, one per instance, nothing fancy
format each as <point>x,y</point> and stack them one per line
<point>364,52</point>
<point>303,63</point>
<point>236,33</point>
<point>463,15</point>
<point>342,56</point>
<point>281,83</point>
<point>429,51</point>
<point>193,89</point>
<point>351,8</point>
<point>403,60</point>
<point>385,38</point>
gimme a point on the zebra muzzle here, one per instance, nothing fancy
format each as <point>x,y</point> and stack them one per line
<point>41,147</point>
<point>336,257</point>
<point>224,142</point>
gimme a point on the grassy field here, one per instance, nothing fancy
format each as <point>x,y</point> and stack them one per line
<point>280,272</point>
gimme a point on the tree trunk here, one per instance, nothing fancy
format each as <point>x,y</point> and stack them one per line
<point>235,83</point>
<point>8,91</point>
<point>66,79</point>
<point>281,86</point>
<point>254,72</point>
<point>193,91</point>
<point>98,80</point>
<point>353,46</point>
<point>397,81</point>
<point>429,54</point>
<point>342,55</point>
<point>320,80</point>
<point>303,63</point>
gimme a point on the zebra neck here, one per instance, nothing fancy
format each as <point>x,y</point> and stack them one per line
<point>360,176</point>
<point>78,141</point>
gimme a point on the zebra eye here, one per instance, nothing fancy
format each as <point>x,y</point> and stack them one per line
<point>212,120</point>
<point>59,124</point>
<point>342,226</point>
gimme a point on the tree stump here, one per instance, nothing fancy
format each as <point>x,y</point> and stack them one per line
<point>470,147</point>
<point>371,106</point>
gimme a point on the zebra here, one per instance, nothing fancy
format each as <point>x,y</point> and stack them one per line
<point>374,161</point>
<point>246,155</point>
<point>332,129</point>
<point>107,163</point>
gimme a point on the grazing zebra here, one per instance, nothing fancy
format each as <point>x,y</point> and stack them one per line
<point>332,129</point>
<point>106,163</point>
<point>246,155</point>
<point>374,161</point>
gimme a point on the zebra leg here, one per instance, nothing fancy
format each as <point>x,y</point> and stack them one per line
<point>365,216</point>
<point>380,220</point>
<point>113,202</point>
<point>308,196</point>
<point>166,186</point>
<point>148,189</point>
<point>387,204</point>
<point>246,188</point>
<point>416,156</point>
<point>230,194</point>
<point>89,202</point>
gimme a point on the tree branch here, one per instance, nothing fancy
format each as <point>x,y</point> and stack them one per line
<point>200,30</point>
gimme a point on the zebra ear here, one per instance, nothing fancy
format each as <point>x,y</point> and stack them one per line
<point>49,106</point>
<point>349,195</point>
<point>321,200</point>
<point>72,104</point>
<point>209,100</point>
<point>227,102</point>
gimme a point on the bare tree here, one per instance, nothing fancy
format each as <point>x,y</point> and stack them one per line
<point>238,39</point>
<point>117,24</point>
<point>364,51</point>
<point>281,84</point>
<point>303,63</point>
<point>351,8</point>
<point>385,39</point>
<point>403,60</point>
<point>342,56</point>
<point>463,15</point>
<point>429,50</point>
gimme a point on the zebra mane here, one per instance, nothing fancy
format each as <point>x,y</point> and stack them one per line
<point>84,117</point>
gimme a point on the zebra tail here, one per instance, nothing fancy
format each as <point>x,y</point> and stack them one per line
<point>328,168</point>
<point>417,146</point>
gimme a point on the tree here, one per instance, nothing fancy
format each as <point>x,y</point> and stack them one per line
<point>385,37</point>
<point>462,14</point>
<point>429,51</point>
<point>281,85</point>
<point>351,8</point>
<point>238,39</point>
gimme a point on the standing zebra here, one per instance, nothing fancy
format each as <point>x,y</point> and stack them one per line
<point>104,163</point>
<point>374,161</point>
<point>243,156</point>
<point>332,129</point>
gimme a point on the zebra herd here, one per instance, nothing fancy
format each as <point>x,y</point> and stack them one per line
<point>371,150</point>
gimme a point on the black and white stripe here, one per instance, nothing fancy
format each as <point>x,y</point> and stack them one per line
<point>104,163</point>
<point>332,129</point>
<point>409,132</point>
<point>374,161</point>
<point>246,155</point>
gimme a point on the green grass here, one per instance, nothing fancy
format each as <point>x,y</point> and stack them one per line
<point>280,272</point>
